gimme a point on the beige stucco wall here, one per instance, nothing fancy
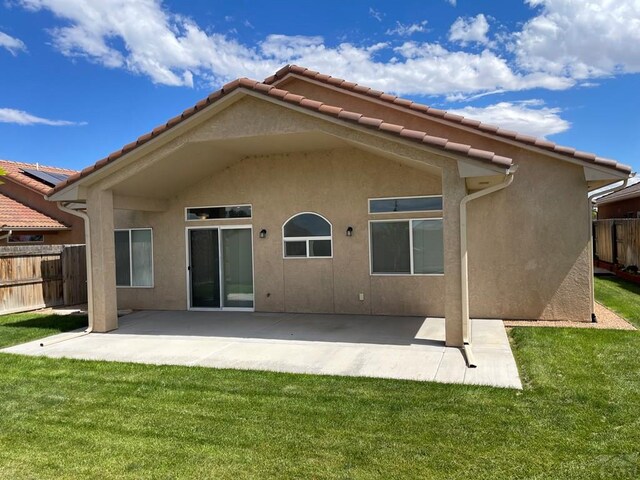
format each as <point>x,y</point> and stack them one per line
<point>336,184</point>
<point>528,245</point>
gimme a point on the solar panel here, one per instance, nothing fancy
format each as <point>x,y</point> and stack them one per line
<point>49,178</point>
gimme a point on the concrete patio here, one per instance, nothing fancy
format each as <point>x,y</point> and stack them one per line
<point>409,348</point>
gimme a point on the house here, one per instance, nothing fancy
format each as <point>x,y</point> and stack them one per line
<point>624,203</point>
<point>25,212</point>
<point>308,193</point>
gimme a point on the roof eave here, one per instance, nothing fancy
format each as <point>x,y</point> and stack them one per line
<point>469,125</point>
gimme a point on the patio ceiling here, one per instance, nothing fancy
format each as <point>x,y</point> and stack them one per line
<point>194,161</point>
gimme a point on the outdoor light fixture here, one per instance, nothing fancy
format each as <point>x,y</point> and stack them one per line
<point>263,233</point>
<point>349,231</point>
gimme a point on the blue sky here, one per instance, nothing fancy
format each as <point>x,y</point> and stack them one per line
<point>80,79</point>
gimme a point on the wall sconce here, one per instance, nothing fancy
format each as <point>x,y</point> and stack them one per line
<point>263,233</point>
<point>349,231</point>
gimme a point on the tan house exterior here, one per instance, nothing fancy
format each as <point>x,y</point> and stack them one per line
<point>25,212</point>
<point>515,220</point>
<point>624,203</point>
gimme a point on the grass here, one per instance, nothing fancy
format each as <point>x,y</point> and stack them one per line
<point>578,417</point>
<point>24,327</point>
<point>621,296</point>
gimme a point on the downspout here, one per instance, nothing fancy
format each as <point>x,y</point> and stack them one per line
<point>464,262</point>
<point>590,202</point>
<point>87,240</point>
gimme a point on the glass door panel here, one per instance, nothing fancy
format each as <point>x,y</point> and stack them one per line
<point>204,268</point>
<point>237,268</point>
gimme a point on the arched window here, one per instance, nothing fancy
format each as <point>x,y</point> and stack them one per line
<point>307,235</point>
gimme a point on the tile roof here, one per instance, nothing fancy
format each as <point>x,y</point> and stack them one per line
<point>450,117</point>
<point>306,103</point>
<point>632,191</point>
<point>14,172</point>
<point>16,215</point>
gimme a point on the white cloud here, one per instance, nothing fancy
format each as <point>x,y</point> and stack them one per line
<point>20,117</point>
<point>171,49</point>
<point>529,117</point>
<point>376,14</point>
<point>14,45</point>
<point>451,2</point>
<point>581,38</point>
<point>467,30</point>
<point>406,30</point>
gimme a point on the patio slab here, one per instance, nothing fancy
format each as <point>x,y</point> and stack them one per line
<point>408,348</point>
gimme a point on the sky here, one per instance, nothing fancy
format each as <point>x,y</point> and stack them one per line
<point>79,79</point>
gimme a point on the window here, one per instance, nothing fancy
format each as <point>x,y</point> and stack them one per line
<point>307,235</point>
<point>217,213</point>
<point>25,238</point>
<point>410,247</point>
<point>406,204</point>
<point>134,258</point>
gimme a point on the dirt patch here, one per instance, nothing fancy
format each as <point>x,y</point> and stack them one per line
<point>606,320</point>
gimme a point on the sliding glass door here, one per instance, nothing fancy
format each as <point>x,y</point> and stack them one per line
<point>221,268</point>
<point>205,268</point>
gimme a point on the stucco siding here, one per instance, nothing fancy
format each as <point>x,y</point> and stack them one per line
<point>336,184</point>
<point>529,245</point>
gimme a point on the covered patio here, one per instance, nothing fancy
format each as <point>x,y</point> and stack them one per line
<point>407,348</point>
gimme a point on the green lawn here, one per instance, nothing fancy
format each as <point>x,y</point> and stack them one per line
<point>578,417</point>
<point>24,327</point>
<point>620,296</point>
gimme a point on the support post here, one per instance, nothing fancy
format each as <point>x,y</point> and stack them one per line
<point>103,271</point>
<point>454,190</point>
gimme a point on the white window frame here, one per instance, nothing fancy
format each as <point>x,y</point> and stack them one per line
<point>153,277</point>
<point>286,240</point>
<point>404,212</point>
<point>412,273</point>
<point>187,219</point>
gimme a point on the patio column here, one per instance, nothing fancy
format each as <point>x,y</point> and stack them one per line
<point>454,190</point>
<point>103,269</point>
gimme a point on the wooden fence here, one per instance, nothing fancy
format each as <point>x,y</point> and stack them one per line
<point>41,276</point>
<point>617,241</point>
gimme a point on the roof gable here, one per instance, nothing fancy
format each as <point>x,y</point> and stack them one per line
<point>284,97</point>
<point>399,130</point>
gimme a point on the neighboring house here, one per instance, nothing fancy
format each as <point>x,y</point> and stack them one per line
<point>624,203</point>
<point>307,193</point>
<point>25,212</point>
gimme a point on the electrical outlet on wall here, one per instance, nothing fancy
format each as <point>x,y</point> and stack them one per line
<point>361,297</point>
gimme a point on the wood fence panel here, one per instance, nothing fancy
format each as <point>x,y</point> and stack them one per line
<point>74,272</point>
<point>33,277</point>
<point>604,240</point>
<point>618,241</point>
<point>628,241</point>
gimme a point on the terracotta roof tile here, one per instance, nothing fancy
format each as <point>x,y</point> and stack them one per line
<point>370,122</point>
<point>16,215</point>
<point>14,172</point>
<point>509,134</point>
<point>353,116</point>
<point>309,104</point>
